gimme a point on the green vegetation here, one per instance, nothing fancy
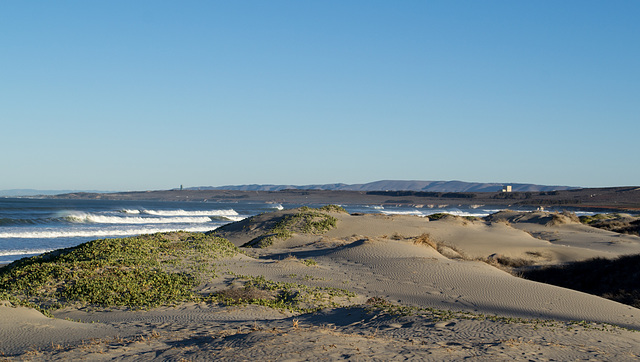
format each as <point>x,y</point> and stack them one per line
<point>590,219</point>
<point>141,272</point>
<point>333,208</point>
<point>306,221</point>
<point>619,223</point>
<point>437,216</point>
<point>290,296</point>
<point>309,262</point>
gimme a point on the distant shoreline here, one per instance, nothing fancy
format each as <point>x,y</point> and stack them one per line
<point>604,199</point>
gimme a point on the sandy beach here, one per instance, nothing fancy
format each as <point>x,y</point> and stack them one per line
<point>361,287</point>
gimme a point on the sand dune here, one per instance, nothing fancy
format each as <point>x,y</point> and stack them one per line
<point>412,265</point>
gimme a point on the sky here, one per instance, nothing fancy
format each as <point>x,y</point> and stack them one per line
<point>144,95</point>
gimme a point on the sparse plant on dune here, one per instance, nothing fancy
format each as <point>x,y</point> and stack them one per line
<point>425,239</point>
<point>448,251</point>
<point>437,216</point>
<point>290,296</point>
<point>333,208</point>
<point>306,221</point>
<point>502,261</point>
<point>309,262</point>
<point>564,217</point>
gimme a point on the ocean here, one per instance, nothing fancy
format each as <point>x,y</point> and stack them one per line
<point>31,226</point>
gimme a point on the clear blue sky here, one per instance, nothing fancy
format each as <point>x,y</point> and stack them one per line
<point>135,95</point>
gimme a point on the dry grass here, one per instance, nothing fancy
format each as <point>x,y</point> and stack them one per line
<point>425,239</point>
<point>509,262</point>
<point>447,251</point>
<point>501,262</point>
<point>564,217</point>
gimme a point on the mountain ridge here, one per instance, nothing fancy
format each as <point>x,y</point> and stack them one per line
<point>395,185</point>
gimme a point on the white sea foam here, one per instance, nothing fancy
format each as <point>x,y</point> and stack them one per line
<point>277,206</point>
<point>23,252</point>
<point>81,217</point>
<point>464,213</point>
<point>50,234</point>
<point>235,218</point>
<point>225,213</point>
<point>479,213</point>
<point>403,212</point>
<point>131,211</point>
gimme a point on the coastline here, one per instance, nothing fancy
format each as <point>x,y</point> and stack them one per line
<point>595,199</point>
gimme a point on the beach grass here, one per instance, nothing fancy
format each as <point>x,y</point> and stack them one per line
<point>307,220</point>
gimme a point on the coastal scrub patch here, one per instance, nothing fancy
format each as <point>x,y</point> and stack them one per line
<point>620,223</point>
<point>140,272</point>
<point>437,216</point>
<point>333,208</point>
<point>306,221</point>
<point>565,217</point>
<point>281,295</point>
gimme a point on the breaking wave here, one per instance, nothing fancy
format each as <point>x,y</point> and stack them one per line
<point>48,234</point>
<point>131,211</point>
<point>229,212</point>
<point>81,217</point>
<point>478,213</point>
<point>23,252</point>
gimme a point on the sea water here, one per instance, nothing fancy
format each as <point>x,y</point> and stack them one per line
<point>31,226</point>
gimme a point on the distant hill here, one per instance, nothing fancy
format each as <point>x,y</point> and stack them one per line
<point>30,192</point>
<point>396,185</point>
<point>33,192</point>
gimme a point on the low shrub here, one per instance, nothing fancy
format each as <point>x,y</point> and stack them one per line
<point>141,272</point>
<point>290,296</point>
<point>306,221</point>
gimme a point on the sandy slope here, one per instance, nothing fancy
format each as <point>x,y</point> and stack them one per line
<point>23,329</point>
<point>355,334</point>
<point>373,256</point>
